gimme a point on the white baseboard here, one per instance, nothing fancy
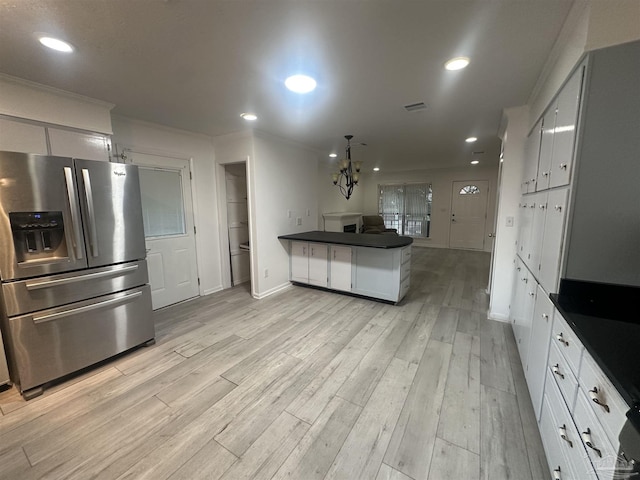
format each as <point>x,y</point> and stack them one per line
<point>209,291</point>
<point>271,291</point>
<point>499,317</point>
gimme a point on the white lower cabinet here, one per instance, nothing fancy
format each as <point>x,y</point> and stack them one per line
<point>340,268</point>
<point>382,273</point>
<point>309,263</point>
<point>541,324</point>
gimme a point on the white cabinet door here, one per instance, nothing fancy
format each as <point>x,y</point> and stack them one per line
<point>546,148</point>
<point>525,218</point>
<point>318,264</point>
<point>90,146</point>
<point>565,131</point>
<point>539,202</point>
<point>517,313</point>
<point>535,371</point>
<point>552,239</point>
<point>300,262</point>
<point>340,270</point>
<point>22,137</point>
<point>532,154</point>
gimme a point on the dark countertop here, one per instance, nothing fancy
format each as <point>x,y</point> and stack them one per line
<point>606,318</point>
<point>378,240</point>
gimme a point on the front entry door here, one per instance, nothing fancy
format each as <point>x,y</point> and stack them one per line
<point>468,214</point>
<point>167,210</point>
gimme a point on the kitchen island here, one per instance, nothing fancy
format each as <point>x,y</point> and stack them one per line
<point>372,265</point>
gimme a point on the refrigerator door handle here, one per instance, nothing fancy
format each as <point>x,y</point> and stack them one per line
<point>75,215</point>
<point>93,235</point>
<point>79,278</point>
<point>87,308</point>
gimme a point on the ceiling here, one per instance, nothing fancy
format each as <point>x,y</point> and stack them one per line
<point>196,65</point>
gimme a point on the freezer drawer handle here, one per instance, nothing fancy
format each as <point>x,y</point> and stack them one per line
<point>73,208</point>
<point>87,308</point>
<point>93,234</point>
<point>79,278</point>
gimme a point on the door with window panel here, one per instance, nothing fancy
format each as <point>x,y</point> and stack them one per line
<point>168,227</point>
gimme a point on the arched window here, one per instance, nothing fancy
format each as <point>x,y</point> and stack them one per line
<point>469,190</point>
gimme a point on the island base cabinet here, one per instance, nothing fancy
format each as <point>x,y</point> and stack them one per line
<point>378,273</point>
<point>309,263</point>
<point>340,268</point>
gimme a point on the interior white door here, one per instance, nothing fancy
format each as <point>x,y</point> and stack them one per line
<point>468,214</point>
<point>167,208</point>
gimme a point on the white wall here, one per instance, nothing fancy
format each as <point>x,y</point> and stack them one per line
<point>282,177</point>
<point>505,251</point>
<point>24,99</point>
<point>157,139</point>
<point>442,182</point>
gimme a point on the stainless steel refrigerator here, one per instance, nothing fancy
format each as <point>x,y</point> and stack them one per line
<point>72,264</point>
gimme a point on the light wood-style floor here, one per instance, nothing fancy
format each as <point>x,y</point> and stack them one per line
<point>305,384</point>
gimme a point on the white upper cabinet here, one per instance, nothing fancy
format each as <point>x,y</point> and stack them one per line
<point>89,146</point>
<point>546,148</point>
<point>565,130</point>
<point>22,137</point>
<point>532,153</point>
<point>556,212</point>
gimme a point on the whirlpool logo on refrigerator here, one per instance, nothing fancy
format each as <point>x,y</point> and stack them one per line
<point>120,173</point>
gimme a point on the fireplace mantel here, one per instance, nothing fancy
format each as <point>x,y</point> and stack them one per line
<point>336,221</point>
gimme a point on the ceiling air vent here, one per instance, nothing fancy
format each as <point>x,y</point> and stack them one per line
<point>414,107</point>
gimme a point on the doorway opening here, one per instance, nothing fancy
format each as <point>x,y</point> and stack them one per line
<point>468,214</point>
<point>238,222</point>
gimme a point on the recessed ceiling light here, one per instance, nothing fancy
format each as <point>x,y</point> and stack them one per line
<point>56,44</point>
<point>475,162</point>
<point>376,169</point>
<point>471,139</point>
<point>300,83</point>
<point>333,155</point>
<point>251,117</point>
<point>457,63</point>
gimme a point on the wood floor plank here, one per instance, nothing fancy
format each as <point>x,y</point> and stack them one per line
<point>415,432</point>
<point>315,397</point>
<point>362,381</point>
<point>469,322</point>
<point>312,457</point>
<point>495,369</point>
<point>388,473</point>
<point>450,461</point>
<point>270,450</point>
<point>361,454</point>
<point>414,343</point>
<point>210,462</point>
<point>444,329</point>
<point>502,445</point>
<point>170,455</point>
<point>460,416</point>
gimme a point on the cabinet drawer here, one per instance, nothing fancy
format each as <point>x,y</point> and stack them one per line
<point>568,344</point>
<point>559,369</point>
<point>611,408</point>
<point>564,430</point>
<point>602,453</point>
<point>406,254</point>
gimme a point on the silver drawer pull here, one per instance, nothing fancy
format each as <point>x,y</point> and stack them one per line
<point>563,435</point>
<point>556,474</point>
<point>556,370</point>
<point>561,339</point>
<point>545,316</point>
<point>594,396</point>
<point>558,208</point>
<point>545,174</point>
<point>79,278</point>
<point>87,308</point>
<point>562,166</point>
<point>586,438</point>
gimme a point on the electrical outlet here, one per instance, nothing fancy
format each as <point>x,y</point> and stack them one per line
<point>299,221</point>
<point>266,273</point>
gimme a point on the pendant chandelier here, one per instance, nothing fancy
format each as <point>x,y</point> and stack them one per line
<point>349,172</point>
